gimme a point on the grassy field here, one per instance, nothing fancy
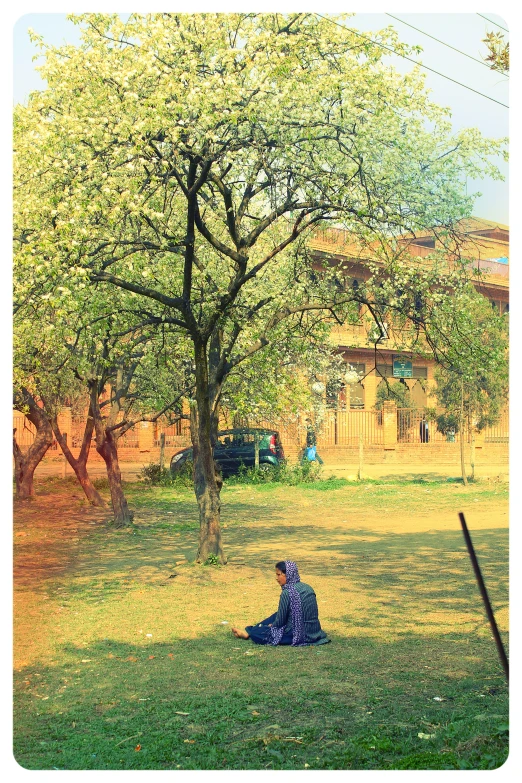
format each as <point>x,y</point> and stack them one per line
<point>124,657</point>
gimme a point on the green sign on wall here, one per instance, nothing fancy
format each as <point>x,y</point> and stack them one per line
<point>402,368</point>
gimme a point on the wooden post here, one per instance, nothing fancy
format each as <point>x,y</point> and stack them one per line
<point>256,450</point>
<point>64,468</point>
<point>359,472</point>
<point>462,462</point>
<point>162,451</point>
<point>472,450</point>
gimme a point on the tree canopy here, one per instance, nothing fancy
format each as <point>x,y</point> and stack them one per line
<point>184,159</point>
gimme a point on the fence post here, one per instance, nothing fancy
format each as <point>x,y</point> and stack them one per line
<point>162,451</point>
<point>64,470</point>
<point>359,472</point>
<point>389,424</point>
<point>145,436</point>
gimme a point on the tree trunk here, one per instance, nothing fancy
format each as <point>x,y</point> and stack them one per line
<point>207,484</point>
<point>106,446</point>
<point>80,465</point>
<point>109,451</point>
<point>26,464</point>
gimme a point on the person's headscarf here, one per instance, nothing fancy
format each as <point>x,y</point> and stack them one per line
<point>296,608</point>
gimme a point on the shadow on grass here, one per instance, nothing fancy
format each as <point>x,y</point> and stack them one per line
<point>216,703</point>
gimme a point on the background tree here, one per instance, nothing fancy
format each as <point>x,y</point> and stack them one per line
<point>27,462</point>
<point>473,388</point>
<point>185,159</point>
<point>396,391</point>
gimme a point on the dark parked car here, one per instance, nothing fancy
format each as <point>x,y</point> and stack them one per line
<point>235,448</point>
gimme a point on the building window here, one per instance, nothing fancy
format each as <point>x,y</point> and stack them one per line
<point>418,395</point>
<point>356,396</point>
<point>357,389</point>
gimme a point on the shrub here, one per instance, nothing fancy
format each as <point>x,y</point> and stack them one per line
<point>301,473</point>
<point>155,476</point>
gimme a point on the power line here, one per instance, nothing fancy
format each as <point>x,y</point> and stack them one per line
<point>492,22</point>
<point>415,62</point>
<point>480,62</point>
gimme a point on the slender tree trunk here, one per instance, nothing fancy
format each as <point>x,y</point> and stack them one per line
<point>207,484</point>
<point>26,464</point>
<point>79,465</point>
<point>462,460</point>
<point>107,448</point>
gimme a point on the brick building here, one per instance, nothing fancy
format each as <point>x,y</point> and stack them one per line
<point>487,248</point>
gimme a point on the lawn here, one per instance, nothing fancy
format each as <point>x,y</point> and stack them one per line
<point>124,657</point>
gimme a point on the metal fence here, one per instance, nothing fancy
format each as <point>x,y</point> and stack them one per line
<point>413,426</point>
<point>26,432</point>
<point>174,434</point>
<point>499,432</point>
<point>345,427</point>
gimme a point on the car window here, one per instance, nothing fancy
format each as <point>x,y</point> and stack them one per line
<point>224,441</point>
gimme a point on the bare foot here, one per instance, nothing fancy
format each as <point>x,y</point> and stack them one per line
<point>240,634</point>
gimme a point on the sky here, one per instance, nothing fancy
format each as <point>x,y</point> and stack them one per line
<point>463,31</point>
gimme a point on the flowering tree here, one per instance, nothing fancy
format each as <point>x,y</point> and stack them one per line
<point>473,385</point>
<point>184,159</point>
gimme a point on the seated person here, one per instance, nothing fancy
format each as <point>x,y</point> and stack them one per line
<point>296,621</point>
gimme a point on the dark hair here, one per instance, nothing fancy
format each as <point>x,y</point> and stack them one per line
<point>281,566</point>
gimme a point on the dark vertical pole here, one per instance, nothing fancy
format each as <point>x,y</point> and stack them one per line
<point>162,451</point>
<point>485,598</point>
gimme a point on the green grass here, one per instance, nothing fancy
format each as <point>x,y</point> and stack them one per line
<point>411,651</point>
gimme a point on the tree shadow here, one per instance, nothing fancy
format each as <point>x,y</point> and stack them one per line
<point>212,702</point>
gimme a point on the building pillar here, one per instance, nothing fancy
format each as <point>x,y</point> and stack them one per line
<point>370,390</point>
<point>145,436</point>
<point>389,424</point>
<point>480,439</point>
<point>65,424</point>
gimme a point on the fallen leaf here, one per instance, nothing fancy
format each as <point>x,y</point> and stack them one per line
<point>131,658</point>
<point>151,657</point>
<point>426,736</point>
<point>256,713</point>
<point>86,660</point>
<point>138,747</point>
<point>171,655</point>
<point>181,713</point>
<point>190,741</point>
